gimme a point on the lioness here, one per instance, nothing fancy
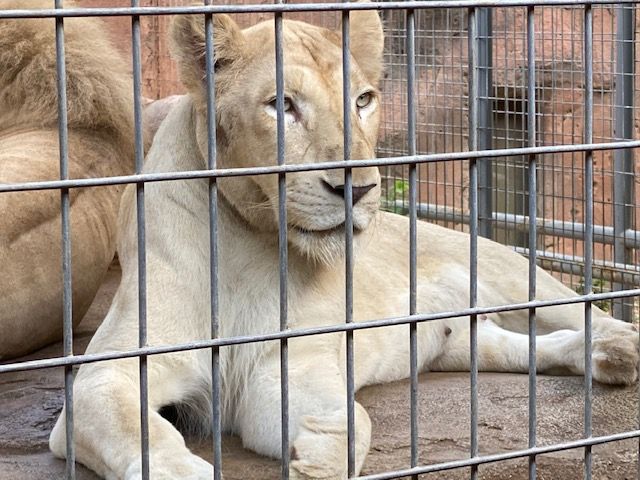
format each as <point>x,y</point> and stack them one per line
<point>106,394</point>
<point>100,114</point>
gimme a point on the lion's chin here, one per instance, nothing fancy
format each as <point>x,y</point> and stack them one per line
<point>322,246</point>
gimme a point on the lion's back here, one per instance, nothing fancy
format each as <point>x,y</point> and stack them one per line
<point>100,143</point>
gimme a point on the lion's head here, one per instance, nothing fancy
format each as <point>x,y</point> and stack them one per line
<point>246,120</point>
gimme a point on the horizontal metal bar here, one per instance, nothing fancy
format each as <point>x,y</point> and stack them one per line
<point>499,457</point>
<point>623,273</point>
<point>293,7</point>
<point>333,165</point>
<point>512,221</point>
<point>304,332</point>
<point>628,274</point>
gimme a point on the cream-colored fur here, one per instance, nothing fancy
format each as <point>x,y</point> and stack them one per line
<point>100,144</point>
<point>106,408</point>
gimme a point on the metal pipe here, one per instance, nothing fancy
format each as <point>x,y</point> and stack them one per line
<point>484,72</point>
<point>298,7</point>
<point>473,232</point>
<point>305,332</point>
<point>141,242</point>
<point>348,258</point>
<point>622,273</point>
<point>65,206</point>
<point>510,221</point>
<point>413,233</point>
<point>308,167</point>
<point>588,233</point>
<point>212,157</point>
<point>500,457</point>
<point>283,252</point>
<point>532,243</point>
<point>623,163</point>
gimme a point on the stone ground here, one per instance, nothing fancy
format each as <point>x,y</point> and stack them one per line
<point>31,401</point>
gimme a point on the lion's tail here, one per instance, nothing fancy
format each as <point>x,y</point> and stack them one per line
<point>98,83</point>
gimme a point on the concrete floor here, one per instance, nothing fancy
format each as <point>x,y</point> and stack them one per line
<point>31,401</point>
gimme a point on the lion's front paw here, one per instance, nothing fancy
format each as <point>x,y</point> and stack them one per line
<point>172,466</point>
<point>615,356</point>
<point>320,449</point>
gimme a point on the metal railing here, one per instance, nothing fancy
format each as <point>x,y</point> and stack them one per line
<point>480,158</point>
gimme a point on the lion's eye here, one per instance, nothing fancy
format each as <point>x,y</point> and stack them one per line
<point>364,100</point>
<point>288,104</point>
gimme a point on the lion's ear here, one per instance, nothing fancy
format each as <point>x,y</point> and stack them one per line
<point>188,45</point>
<point>367,42</point>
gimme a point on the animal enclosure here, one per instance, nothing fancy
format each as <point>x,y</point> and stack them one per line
<point>443,125</point>
<point>515,120</point>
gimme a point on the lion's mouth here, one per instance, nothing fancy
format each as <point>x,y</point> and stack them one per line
<point>340,228</point>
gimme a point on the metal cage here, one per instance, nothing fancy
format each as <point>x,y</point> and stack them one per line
<point>496,172</point>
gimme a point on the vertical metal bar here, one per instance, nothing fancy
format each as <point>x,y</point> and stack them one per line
<point>142,254</point>
<point>413,215</point>
<point>65,204</point>
<point>283,251</point>
<point>216,425</point>
<point>623,164</point>
<point>588,222</point>
<point>531,142</point>
<point>484,72</point>
<point>348,222</point>
<point>473,230</point>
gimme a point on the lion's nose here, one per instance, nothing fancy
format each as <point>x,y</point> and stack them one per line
<point>358,191</point>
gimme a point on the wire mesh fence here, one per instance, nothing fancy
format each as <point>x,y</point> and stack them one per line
<point>541,86</point>
<point>443,126</point>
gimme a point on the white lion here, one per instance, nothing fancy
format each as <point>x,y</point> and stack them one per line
<point>106,407</point>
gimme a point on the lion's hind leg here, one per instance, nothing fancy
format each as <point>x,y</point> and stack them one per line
<point>560,352</point>
<point>614,343</point>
